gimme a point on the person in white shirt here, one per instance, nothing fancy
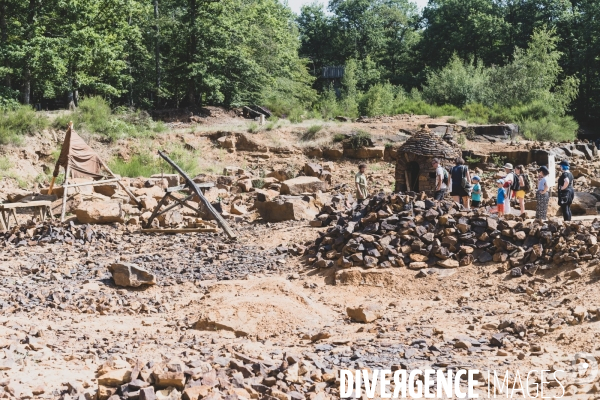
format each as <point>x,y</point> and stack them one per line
<point>508,184</point>
<point>441,180</point>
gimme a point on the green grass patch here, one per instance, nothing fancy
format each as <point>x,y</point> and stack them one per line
<point>18,122</point>
<point>311,132</point>
<point>253,127</point>
<point>144,163</point>
<point>338,137</point>
<point>95,116</point>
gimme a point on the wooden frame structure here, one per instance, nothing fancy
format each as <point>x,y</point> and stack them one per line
<point>41,208</point>
<point>68,160</point>
<point>194,188</point>
<point>177,202</point>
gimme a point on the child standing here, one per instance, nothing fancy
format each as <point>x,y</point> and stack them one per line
<point>501,196</point>
<point>476,192</point>
<point>361,182</point>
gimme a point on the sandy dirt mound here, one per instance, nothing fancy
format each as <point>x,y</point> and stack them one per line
<point>260,308</point>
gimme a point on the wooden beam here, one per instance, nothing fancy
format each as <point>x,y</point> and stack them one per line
<point>92,183</point>
<point>64,200</point>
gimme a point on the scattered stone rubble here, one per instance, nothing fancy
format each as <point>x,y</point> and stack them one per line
<point>218,375</point>
<point>413,231</point>
<point>79,268</point>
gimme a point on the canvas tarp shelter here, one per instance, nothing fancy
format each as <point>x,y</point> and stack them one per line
<point>80,161</point>
<point>83,160</point>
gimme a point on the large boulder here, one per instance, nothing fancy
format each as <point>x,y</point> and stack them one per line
<point>13,195</point>
<point>584,204</point>
<point>364,152</point>
<point>130,275</point>
<point>553,208</point>
<point>303,184</point>
<point>281,175</point>
<point>227,142</point>
<point>316,170</point>
<point>365,313</point>
<point>285,209</point>
<point>107,189</point>
<point>89,212</point>
<point>332,154</point>
<point>172,179</point>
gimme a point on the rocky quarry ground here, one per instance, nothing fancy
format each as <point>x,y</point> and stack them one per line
<point>315,282</point>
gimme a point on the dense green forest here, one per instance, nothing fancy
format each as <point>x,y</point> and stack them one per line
<point>532,61</point>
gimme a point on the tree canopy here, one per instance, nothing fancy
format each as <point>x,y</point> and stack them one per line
<point>174,53</point>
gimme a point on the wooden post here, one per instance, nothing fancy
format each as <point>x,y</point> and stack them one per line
<point>65,190</point>
<point>51,185</point>
<point>3,226</point>
<point>407,181</point>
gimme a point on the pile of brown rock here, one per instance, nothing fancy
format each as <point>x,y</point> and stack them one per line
<point>37,234</point>
<point>400,230</point>
<point>230,376</point>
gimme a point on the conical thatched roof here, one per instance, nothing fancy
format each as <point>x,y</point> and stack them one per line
<point>428,144</point>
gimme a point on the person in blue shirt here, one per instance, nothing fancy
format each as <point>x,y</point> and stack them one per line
<point>476,192</point>
<point>501,196</point>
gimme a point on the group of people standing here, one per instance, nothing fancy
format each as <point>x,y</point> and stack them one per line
<point>516,184</point>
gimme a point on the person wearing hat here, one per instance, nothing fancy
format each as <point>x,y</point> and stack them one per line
<point>476,192</point>
<point>566,192</point>
<point>509,181</point>
<point>501,196</point>
<point>542,194</point>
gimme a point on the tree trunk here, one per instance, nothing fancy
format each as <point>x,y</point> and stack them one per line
<point>3,38</point>
<point>157,51</point>
<point>27,73</point>
<point>191,86</point>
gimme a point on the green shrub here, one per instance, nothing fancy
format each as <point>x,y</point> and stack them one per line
<point>8,99</point>
<point>361,139</point>
<point>458,83</point>
<point>497,160</point>
<point>554,129</point>
<point>19,121</point>
<point>186,159</point>
<point>94,116</point>
<point>452,120</point>
<point>141,164</point>
<point>328,105</point>
<point>338,137</point>
<point>410,106</point>
<point>313,130</point>
<point>253,127</point>
<point>378,100</point>
<point>296,115</point>
<point>472,160</point>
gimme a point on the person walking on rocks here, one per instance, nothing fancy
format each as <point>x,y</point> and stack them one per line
<point>361,182</point>
<point>543,194</point>
<point>461,182</point>
<point>520,179</point>
<point>566,192</point>
<point>441,180</point>
<point>509,184</point>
